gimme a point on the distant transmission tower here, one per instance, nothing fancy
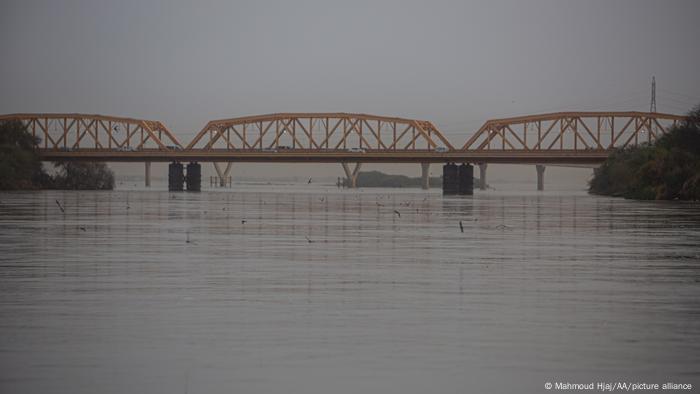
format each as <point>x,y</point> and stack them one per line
<point>652,105</point>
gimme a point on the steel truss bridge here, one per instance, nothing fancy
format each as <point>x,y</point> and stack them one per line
<point>571,138</point>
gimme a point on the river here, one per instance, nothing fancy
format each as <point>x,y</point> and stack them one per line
<point>310,289</point>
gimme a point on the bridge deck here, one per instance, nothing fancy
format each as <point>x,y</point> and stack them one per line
<point>332,156</point>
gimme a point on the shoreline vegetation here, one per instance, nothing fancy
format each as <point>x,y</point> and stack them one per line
<point>21,167</point>
<point>666,169</point>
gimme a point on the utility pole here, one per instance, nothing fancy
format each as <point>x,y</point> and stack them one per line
<point>652,105</point>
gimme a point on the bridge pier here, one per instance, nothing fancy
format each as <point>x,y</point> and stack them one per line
<point>425,175</point>
<point>466,179</point>
<point>482,176</point>
<point>148,174</point>
<point>540,176</point>
<point>194,177</point>
<point>351,176</point>
<point>450,178</point>
<point>458,179</point>
<point>176,177</point>
<point>223,174</point>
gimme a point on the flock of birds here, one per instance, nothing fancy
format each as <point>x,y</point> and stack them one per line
<point>397,213</point>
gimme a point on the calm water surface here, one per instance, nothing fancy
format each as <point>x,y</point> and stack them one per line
<point>326,291</point>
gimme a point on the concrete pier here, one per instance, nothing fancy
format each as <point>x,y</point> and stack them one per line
<point>540,176</point>
<point>351,176</point>
<point>466,179</point>
<point>148,173</point>
<point>482,176</point>
<point>425,175</point>
<point>223,174</point>
<point>450,179</point>
<point>458,179</point>
<point>194,177</point>
<point>176,177</point>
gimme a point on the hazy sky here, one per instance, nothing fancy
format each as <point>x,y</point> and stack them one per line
<point>456,63</point>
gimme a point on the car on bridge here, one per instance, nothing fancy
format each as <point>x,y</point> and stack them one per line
<point>440,149</point>
<point>356,150</point>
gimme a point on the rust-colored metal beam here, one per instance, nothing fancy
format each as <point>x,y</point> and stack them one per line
<point>82,131</point>
<point>575,131</point>
<point>561,137</point>
<point>291,132</point>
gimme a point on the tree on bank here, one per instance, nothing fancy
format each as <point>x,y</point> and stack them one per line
<point>20,165</point>
<point>83,176</point>
<point>667,169</point>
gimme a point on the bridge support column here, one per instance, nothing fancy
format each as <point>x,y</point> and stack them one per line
<point>175,177</point>
<point>458,179</point>
<point>148,174</point>
<point>450,179</point>
<point>425,175</point>
<point>351,176</point>
<point>223,174</point>
<point>194,177</point>
<point>540,176</point>
<point>482,176</point>
<point>466,179</point>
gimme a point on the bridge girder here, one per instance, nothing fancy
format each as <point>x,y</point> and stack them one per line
<point>82,131</point>
<point>563,137</point>
<point>571,130</point>
<point>336,131</point>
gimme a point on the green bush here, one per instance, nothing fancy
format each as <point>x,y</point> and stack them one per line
<point>668,169</point>
<point>20,165</point>
<point>83,176</point>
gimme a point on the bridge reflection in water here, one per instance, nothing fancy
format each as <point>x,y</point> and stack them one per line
<point>564,138</point>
